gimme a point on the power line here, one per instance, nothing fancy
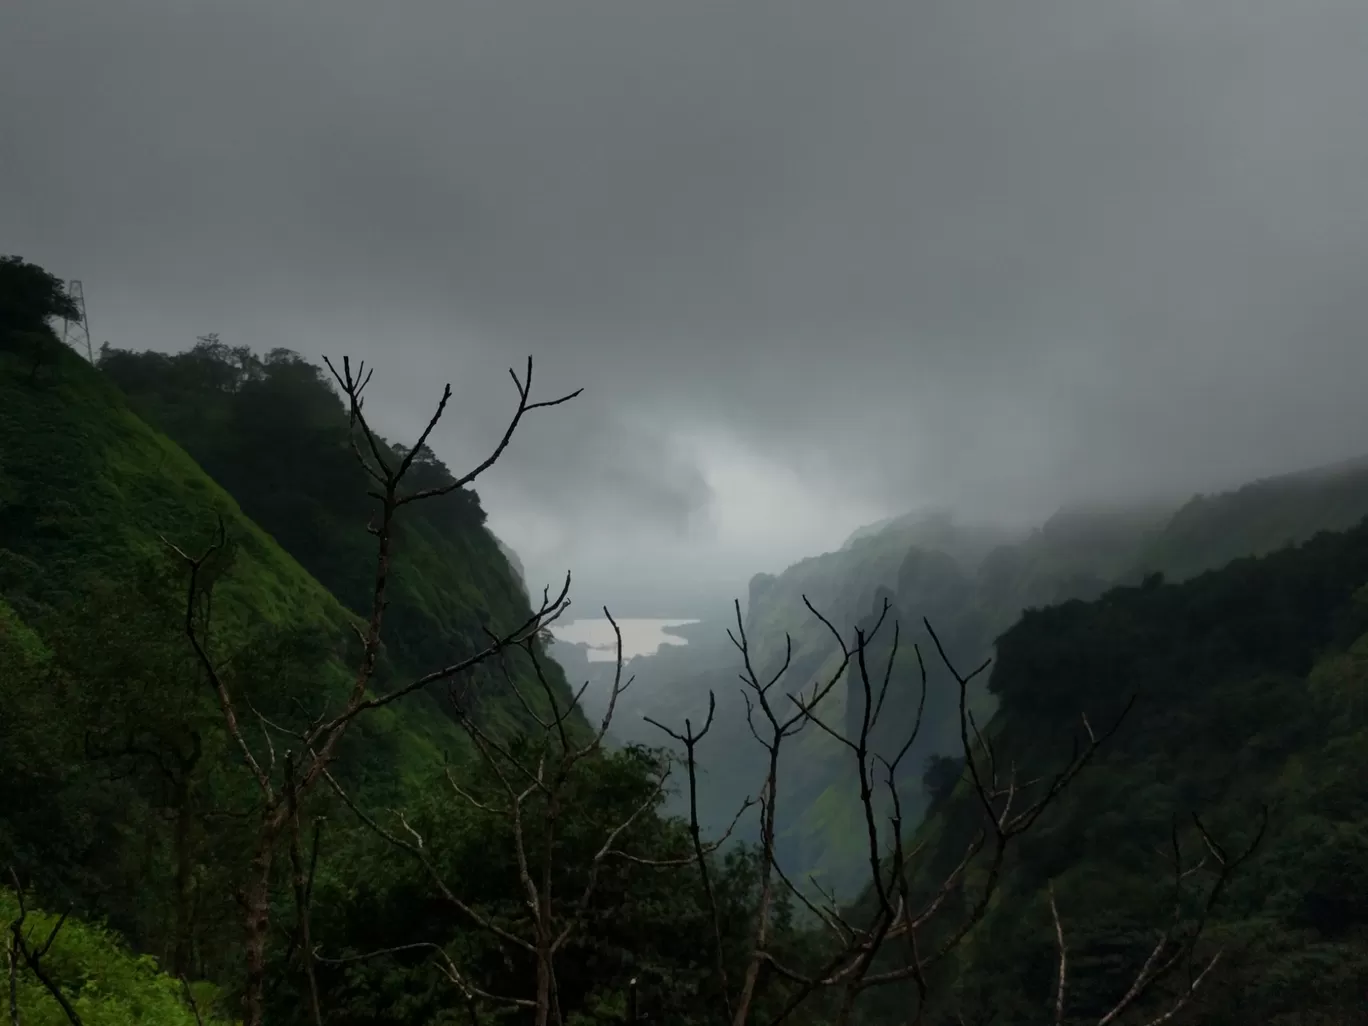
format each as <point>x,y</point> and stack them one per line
<point>76,331</point>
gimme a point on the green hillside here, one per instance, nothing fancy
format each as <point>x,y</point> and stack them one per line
<point>123,798</point>
<point>91,494</point>
<point>97,661</point>
<point>104,982</point>
<point>1252,686</point>
<point>273,431</point>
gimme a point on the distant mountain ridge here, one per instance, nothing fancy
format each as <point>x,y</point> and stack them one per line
<point>973,583</point>
<point>1251,681</point>
<point>931,528</point>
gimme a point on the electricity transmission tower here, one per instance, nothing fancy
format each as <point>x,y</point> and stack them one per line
<point>76,331</point>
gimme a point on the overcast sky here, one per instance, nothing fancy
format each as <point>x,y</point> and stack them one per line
<point>814,262</point>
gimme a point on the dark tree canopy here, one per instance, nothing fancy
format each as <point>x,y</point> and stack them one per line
<point>30,296</point>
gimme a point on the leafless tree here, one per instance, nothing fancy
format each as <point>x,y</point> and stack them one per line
<point>852,962</point>
<point>281,794</point>
<point>902,933</point>
<point>532,792</point>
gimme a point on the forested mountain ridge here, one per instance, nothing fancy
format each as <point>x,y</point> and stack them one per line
<point>973,584</point>
<point>1251,686</point>
<point>1077,552</point>
<point>1211,530</point>
<point>1251,711</point>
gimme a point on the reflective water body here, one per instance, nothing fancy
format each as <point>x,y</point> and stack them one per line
<point>639,637</point>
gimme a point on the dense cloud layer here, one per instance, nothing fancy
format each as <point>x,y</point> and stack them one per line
<point>814,262</point>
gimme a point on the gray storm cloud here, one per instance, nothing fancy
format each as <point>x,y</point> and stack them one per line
<point>982,253</point>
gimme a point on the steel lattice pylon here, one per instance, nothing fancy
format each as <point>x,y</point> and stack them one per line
<point>76,332</point>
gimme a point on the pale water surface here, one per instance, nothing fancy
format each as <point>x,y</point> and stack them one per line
<point>639,637</point>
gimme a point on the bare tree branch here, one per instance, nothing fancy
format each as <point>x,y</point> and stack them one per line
<point>690,740</point>
<point>321,739</point>
<point>1061,982</point>
<point>448,968</point>
<point>190,1002</point>
<point>20,949</point>
<point>196,564</point>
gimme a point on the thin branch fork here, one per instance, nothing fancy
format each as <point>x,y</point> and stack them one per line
<point>690,739</point>
<point>548,613</point>
<point>779,729</point>
<point>895,917</point>
<point>1175,945</point>
<point>761,715</point>
<point>448,966</point>
<point>196,566</point>
<point>20,949</point>
<point>417,849</point>
<point>850,966</point>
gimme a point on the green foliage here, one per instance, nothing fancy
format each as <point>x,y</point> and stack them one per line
<point>30,296</point>
<point>1250,682</point>
<point>88,492</point>
<point>273,431</point>
<point>940,776</point>
<point>107,984</point>
<point>973,585</point>
<point>648,924</point>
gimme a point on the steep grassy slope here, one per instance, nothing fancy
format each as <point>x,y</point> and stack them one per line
<point>273,431</point>
<point>121,796</point>
<point>88,492</point>
<point>106,984</point>
<point>1252,685</point>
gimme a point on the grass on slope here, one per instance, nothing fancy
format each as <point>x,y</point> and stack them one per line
<point>87,492</point>
<point>105,983</point>
<point>274,432</point>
